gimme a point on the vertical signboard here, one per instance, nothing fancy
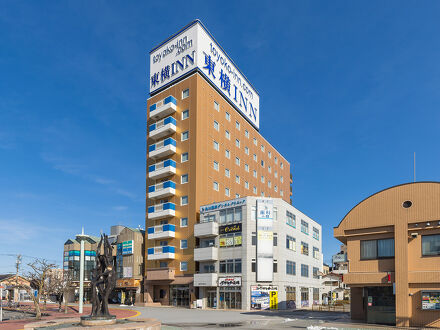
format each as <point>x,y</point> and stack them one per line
<point>264,240</point>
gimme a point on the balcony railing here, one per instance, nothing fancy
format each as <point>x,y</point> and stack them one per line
<point>162,148</point>
<point>163,108</point>
<point>206,229</point>
<point>162,128</point>
<point>205,279</point>
<point>162,169</point>
<point>206,253</point>
<point>161,210</point>
<point>161,252</point>
<point>162,231</point>
<point>163,189</point>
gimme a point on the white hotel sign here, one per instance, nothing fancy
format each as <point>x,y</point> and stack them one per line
<point>194,49</point>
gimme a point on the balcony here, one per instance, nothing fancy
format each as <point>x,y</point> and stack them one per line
<point>205,279</point>
<point>206,254</point>
<point>161,211</point>
<point>163,108</point>
<point>162,148</point>
<point>206,229</point>
<point>162,169</point>
<point>161,274</point>
<point>162,128</point>
<point>163,189</point>
<point>161,252</point>
<point>162,231</point>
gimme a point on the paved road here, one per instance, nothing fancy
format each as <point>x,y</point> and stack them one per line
<point>181,318</point>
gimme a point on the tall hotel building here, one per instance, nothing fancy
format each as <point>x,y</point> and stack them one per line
<point>203,146</point>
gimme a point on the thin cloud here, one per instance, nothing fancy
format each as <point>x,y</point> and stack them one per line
<point>13,230</point>
<point>120,208</point>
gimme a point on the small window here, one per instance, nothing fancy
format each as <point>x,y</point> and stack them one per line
<point>262,148</point>
<point>228,116</point>
<point>184,178</point>
<point>269,169</point>
<point>183,244</point>
<point>290,243</point>
<point>237,125</point>
<point>262,179</point>
<point>377,249</point>
<point>275,160</point>
<point>254,173</point>
<point>281,193</point>
<point>275,174</point>
<point>246,133</point>
<point>304,270</point>
<point>216,167</point>
<point>254,190</point>
<point>255,141</point>
<point>237,161</point>
<point>255,157</point>
<point>227,192</point>
<point>227,173</point>
<point>275,266</point>
<point>183,222</point>
<point>431,245</point>
<point>227,154</point>
<point>216,147</point>
<point>246,150</point>
<point>237,195</point>
<point>281,179</point>
<point>269,154</point>
<point>184,200</point>
<point>246,185</point>
<point>304,248</point>
<point>215,186</point>
<point>246,167</point>
<point>281,165</point>
<point>269,184</point>
<point>290,267</point>
<point>254,239</point>
<point>275,239</point>
<point>262,163</point>
<point>227,135</point>
<point>185,114</point>
<point>216,126</point>
<point>216,106</point>
<point>185,136</point>
<point>183,266</point>
<point>185,93</point>
<point>275,188</point>
<point>184,157</point>
<point>237,179</point>
<point>237,143</point>
<point>407,204</point>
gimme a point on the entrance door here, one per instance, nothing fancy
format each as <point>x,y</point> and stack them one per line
<point>212,299</point>
<point>381,305</point>
<point>180,296</point>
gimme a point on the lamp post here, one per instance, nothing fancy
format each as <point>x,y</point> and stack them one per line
<point>81,237</point>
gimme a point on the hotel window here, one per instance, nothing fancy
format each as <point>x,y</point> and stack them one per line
<point>262,163</point>
<point>215,165</point>
<point>255,157</point>
<point>237,125</point>
<point>269,184</point>
<point>430,245</point>
<point>227,192</point>
<point>275,188</point>
<point>246,133</point>
<point>281,165</point>
<point>290,267</point>
<point>216,126</point>
<point>254,190</point>
<point>255,141</point>
<point>237,179</point>
<point>275,173</point>
<point>246,150</point>
<point>376,249</point>
<point>262,194</point>
<point>254,174</point>
<point>262,148</point>
<point>304,248</point>
<point>281,179</point>
<point>185,93</point>
<point>315,253</point>
<point>184,178</point>
<point>185,114</point>
<point>246,185</point>
<point>237,161</point>
<point>215,186</point>
<point>316,233</point>
<point>184,200</point>
<point>227,135</point>
<point>275,266</point>
<point>163,264</point>
<point>237,143</point>
<point>304,227</point>
<point>216,147</point>
<point>316,274</point>
<point>216,106</point>
<point>183,222</point>
<point>290,243</point>
<point>304,270</point>
<point>281,193</point>
<point>227,154</point>
<point>183,266</point>
<point>184,157</point>
<point>246,167</point>
<point>262,179</point>
<point>269,154</point>
<point>291,219</point>
<point>275,160</point>
<point>237,195</point>
<point>227,173</point>
<point>185,136</point>
<point>269,169</point>
<point>183,244</point>
<point>228,116</point>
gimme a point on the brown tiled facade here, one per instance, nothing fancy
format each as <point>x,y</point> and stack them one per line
<point>227,157</point>
<point>389,278</point>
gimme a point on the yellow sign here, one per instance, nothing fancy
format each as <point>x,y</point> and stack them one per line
<point>273,300</point>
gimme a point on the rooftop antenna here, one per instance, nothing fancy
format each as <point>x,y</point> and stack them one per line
<point>414,166</point>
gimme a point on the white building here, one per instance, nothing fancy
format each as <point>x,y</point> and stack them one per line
<point>257,253</point>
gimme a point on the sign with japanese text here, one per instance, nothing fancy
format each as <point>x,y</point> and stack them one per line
<point>264,240</point>
<point>264,297</point>
<point>229,281</point>
<point>194,49</point>
<point>430,300</point>
<point>223,205</point>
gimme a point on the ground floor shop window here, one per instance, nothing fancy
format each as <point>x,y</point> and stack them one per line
<point>315,296</point>
<point>304,297</point>
<point>290,297</point>
<point>211,298</point>
<point>230,298</point>
<point>179,295</point>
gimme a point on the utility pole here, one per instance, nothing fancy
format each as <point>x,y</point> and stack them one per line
<point>17,266</point>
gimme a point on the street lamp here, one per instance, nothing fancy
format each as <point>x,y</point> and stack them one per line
<point>81,237</point>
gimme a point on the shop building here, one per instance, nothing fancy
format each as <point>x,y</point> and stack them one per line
<point>203,146</point>
<point>393,249</point>
<point>257,253</point>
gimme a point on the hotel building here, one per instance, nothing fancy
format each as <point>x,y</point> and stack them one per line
<point>393,249</point>
<point>231,246</point>
<point>203,146</point>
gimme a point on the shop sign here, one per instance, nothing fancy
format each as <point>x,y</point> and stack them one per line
<point>127,283</point>
<point>230,228</point>
<point>273,299</point>
<point>370,301</point>
<point>230,241</point>
<point>127,247</point>
<point>264,297</point>
<point>229,281</point>
<point>264,240</point>
<point>127,272</point>
<point>431,300</point>
<point>223,205</point>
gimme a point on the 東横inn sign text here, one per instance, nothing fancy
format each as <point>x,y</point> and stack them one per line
<point>193,48</point>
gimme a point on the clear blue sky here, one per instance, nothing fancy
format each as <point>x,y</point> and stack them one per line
<point>348,91</point>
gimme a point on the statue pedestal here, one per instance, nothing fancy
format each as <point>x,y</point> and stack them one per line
<point>97,320</point>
